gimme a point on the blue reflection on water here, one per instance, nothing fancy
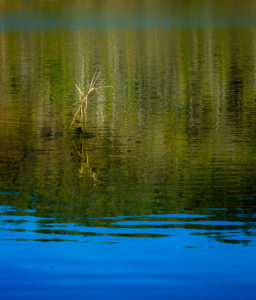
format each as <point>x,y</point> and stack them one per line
<point>129,257</point>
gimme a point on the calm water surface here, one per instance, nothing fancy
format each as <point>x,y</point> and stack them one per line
<point>157,199</point>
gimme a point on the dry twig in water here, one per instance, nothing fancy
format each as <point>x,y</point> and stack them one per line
<point>83,103</point>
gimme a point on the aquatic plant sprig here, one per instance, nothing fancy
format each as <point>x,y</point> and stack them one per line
<point>83,100</point>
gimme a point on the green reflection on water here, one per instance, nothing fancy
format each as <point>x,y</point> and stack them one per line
<point>176,131</point>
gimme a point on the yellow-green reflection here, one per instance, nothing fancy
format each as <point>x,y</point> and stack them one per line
<point>177,130</point>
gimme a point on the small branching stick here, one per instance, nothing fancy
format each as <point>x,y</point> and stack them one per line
<point>83,98</point>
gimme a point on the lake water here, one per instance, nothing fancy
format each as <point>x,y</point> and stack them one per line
<point>157,199</point>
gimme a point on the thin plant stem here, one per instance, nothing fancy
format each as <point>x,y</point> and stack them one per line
<point>83,100</point>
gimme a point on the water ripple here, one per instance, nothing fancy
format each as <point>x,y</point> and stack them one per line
<point>26,225</point>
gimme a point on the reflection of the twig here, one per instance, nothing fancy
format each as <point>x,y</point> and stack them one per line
<point>82,153</point>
